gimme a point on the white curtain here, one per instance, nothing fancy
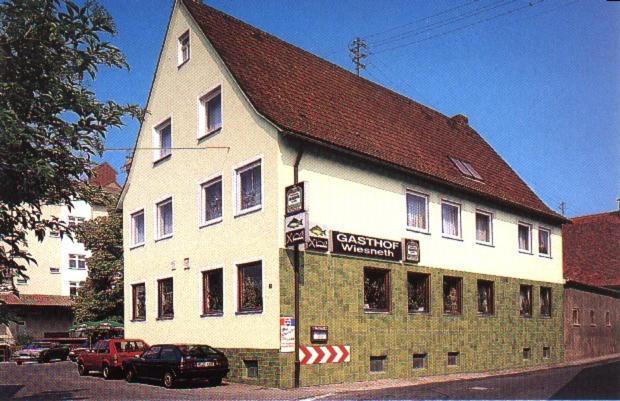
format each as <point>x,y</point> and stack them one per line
<point>138,227</point>
<point>450,219</point>
<point>524,238</point>
<point>482,228</point>
<point>416,211</point>
<point>214,113</point>
<point>165,219</point>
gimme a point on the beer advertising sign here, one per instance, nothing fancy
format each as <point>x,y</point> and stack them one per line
<point>295,229</point>
<point>318,239</point>
<point>295,199</point>
<point>367,247</point>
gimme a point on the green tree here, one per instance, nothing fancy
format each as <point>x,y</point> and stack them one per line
<point>101,297</point>
<point>52,124</point>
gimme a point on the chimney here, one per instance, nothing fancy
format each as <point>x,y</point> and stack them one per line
<point>459,120</point>
<point>618,200</point>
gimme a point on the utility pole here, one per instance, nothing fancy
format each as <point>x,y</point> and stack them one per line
<point>359,51</point>
<point>562,208</point>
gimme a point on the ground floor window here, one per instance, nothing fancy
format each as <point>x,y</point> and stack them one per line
<point>607,318</point>
<point>251,369</point>
<point>418,294</point>
<point>592,318</point>
<point>376,290</point>
<point>545,301</point>
<point>575,317</point>
<point>453,358</point>
<point>452,295</point>
<point>546,352</point>
<point>139,301</point>
<point>250,287</point>
<point>525,300</point>
<point>212,292</point>
<point>419,361</point>
<point>165,299</point>
<point>377,363</point>
<point>485,297</point>
<point>526,353</point>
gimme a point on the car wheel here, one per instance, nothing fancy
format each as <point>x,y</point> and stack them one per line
<point>82,371</point>
<point>106,372</point>
<point>130,375</point>
<point>216,381</point>
<point>168,380</point>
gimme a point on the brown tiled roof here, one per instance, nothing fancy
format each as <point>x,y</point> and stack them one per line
<point>35,300</point>
<point>319,101</point>
<point>104,176</point>
<point>592,249</point>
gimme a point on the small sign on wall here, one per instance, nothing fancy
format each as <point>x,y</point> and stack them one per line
<point>318,240</point>
<point>411,250</point>
<point>318,334</point>
<point>287,334</point>
<point>295,198</point>
<point>295,229</point>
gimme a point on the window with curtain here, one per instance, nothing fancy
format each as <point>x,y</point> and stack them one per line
<point>417,205</point>
<point>544,238</point>
<point>164,133</point>
<point>139,301</point>
<point>212,292</point>
<point>214,112</point>
<point>212,197</point>
<point>164,218</point>
<point>525,300</point>
<point>249,187</point>
<point>166,298</point>
<point>450,219</point>
<point>250,282</point>
<point>545,301</point>
<point>524,237</point>
<point>137,223</point>
<point>483,227</point>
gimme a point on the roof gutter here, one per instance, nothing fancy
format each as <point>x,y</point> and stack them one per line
<point>544,216</point>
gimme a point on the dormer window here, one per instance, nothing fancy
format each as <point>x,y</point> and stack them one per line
<point>183,45</point>
<point>466,168</point>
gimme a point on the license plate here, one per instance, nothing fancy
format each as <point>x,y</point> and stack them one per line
<point>205,364</point>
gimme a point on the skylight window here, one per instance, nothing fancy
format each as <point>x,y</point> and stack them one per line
<point>466,169</point>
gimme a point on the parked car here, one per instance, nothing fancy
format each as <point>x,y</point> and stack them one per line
<point>107,356</point>
<point>171,363</point>
<point>41,351</point>
<point>77,349</point>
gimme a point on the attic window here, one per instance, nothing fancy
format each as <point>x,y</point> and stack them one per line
<point>466,169</point>
<point>183,49</point>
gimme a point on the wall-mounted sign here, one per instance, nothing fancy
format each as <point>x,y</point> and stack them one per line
<point>295,198</point>
<point>317,239</point>
<point>314,354</point>
<point>412,250</point>
<point>287,334</point>
<point>364,246</point>
<point>295,229</point>
<point>318,334</point>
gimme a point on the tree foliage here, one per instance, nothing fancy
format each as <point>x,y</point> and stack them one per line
<point>51,122</point>
<point>101,297</point>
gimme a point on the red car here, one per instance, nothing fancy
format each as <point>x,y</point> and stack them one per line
<point>108,355</point>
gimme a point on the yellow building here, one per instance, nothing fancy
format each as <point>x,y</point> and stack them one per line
<point>42,302</point>
<point>414,224</point>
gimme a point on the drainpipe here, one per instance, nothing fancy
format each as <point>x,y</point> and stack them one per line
<point>297,264</point>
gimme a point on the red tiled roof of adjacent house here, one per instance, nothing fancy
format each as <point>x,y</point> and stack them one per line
<point>35,300</point>
<point>319,101</point>
<point>592,249</point>
<point>104,176</point>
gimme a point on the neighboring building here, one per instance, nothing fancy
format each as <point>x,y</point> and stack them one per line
<point>43,301</point>
<point>205,256</point>
<point>591,294</point>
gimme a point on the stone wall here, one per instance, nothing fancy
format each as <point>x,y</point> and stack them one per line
<point>590,339</point>
<point>332,294</point>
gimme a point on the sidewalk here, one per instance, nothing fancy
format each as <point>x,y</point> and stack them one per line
<point>324,391</point>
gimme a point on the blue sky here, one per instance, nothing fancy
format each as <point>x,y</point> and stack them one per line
<point>540,83</point>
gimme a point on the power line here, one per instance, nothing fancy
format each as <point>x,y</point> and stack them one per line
<point>176,148</point>
<point>444,22</point>
<point>509,12</point>
<point>421,19</point>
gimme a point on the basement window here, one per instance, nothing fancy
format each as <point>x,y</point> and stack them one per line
<point>419,361</point>
<point>377,363</point>
<point>251,369</point>
<point>453,358</point>
<point>526,353</point>
<point>546,352</point>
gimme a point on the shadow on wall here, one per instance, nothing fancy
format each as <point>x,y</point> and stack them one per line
<point>592,383</point>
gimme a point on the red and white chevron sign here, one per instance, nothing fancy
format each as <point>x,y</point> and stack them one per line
<point>311,355</point>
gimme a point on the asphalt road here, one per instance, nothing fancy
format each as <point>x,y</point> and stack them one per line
<point>60,381</point>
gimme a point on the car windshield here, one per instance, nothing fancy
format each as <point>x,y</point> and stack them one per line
<point>197,350</point>
<point>37,346</point>
<point>129,346</point>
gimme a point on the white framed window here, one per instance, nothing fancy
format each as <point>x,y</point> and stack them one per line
<point>544,241</point>
<point>77,261</point>
<point>164,219</point>
<point>21,281</point>
<point>162,140</point>
<point>74,286</point>
<point>54,270</point>
<point>525,237</point>
<point>211,201</point>
<point>450,219</point>
<point>75,221</point>
<point>484,227</point>
<point>417,211</point>
<point>248,188</point>
<point>137,228</point>
<point>210,113</point>
<point>183,49</point>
